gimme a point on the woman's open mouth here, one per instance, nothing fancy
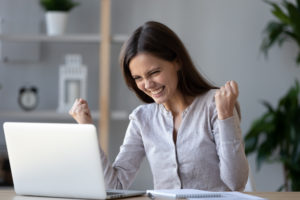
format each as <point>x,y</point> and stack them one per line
<point>157,92</point>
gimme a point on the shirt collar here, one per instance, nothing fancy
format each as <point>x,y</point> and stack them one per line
<point>165,112</point>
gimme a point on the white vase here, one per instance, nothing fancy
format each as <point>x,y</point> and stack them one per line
<point>56,22</point>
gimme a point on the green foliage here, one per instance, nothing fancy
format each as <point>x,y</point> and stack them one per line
<point>58,5</point>
<point>275,136</point>
<point>287,25</point>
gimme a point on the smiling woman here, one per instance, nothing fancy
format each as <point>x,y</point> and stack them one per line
<point>188,129</point>
<point>155,77</point>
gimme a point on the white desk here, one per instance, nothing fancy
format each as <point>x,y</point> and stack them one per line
<point>9,194</point>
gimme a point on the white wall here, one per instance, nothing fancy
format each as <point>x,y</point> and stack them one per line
<point>223,38</point>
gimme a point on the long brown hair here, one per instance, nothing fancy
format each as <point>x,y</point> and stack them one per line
<point>160,41</point>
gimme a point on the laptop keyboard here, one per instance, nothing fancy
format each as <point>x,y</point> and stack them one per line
<point>113,193</point>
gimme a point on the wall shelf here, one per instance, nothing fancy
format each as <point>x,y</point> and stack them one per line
<point>53,115</point>
<point>84,38</point>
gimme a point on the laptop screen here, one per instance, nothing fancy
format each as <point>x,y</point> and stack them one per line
<point>57,160</point>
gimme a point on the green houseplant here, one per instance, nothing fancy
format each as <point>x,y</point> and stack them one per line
<point>57,14</point>
<point>275,136</point>
<point>287,26</point>
<point>58,5</point>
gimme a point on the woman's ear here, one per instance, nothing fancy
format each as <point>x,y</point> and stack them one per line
<point>177,64</point>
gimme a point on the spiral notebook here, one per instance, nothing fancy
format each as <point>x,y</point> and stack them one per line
<point>194,194</point>
<point>183,193</point>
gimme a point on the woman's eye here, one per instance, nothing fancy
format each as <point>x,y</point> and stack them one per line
<point>155,72</point>
<point>137,78</point>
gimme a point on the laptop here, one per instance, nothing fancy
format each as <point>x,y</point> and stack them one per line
<point>57,160</point>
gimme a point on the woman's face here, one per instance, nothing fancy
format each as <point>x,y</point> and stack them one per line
<point>155,77</point>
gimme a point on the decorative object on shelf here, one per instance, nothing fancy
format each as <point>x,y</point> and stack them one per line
<point>57,14</point>
<point>72,82</point>
<point>28,98</point>
<point>275,136</point>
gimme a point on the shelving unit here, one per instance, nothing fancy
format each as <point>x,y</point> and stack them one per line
<point>53,115</point>
<point>84,38</point>
<point>104,74</point>
<point>104,39</point>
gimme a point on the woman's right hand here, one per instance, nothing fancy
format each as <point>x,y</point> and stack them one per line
<point>81,112</point>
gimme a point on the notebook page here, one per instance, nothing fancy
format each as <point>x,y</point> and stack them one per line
<point>183,193</point>
<point>231,196</point>
<point>193,194</point>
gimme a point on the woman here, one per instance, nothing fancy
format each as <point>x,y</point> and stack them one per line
<point>188,130</point>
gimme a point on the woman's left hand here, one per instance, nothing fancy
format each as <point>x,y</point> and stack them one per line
<point>226,98</point>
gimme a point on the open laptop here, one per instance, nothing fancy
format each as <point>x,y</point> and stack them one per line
<point>57,160</point>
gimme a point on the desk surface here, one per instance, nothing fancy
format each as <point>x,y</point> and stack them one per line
<point>9,194</point>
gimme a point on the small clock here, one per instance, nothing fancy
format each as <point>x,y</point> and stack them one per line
<point>28,98</point>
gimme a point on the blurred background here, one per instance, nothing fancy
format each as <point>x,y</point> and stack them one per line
<point>223,38</point>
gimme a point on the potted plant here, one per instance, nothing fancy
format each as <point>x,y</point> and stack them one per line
<point>286,27</point>
<point>275,136</point>
<point>57,14</point>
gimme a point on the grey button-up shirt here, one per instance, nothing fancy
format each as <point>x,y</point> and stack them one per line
<point>208,155</point>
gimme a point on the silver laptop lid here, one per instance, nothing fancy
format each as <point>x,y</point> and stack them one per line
<point>56,160</point>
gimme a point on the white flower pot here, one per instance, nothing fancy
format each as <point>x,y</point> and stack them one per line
<point>56,22</point>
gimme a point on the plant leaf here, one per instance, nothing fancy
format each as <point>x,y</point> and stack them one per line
<point>273,31</point>
<point>298,59</point>
<point>294,15</point>
<point>268,105</point>
<point>278,13</point>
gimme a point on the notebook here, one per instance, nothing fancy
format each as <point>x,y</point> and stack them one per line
<point>183,193</point>
<point>57,160</point>
<point>193,194</point>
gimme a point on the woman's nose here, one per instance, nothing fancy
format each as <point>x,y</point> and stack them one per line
<point>148,84</point>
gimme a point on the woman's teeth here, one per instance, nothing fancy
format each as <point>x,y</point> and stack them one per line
<point>157,91</point>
